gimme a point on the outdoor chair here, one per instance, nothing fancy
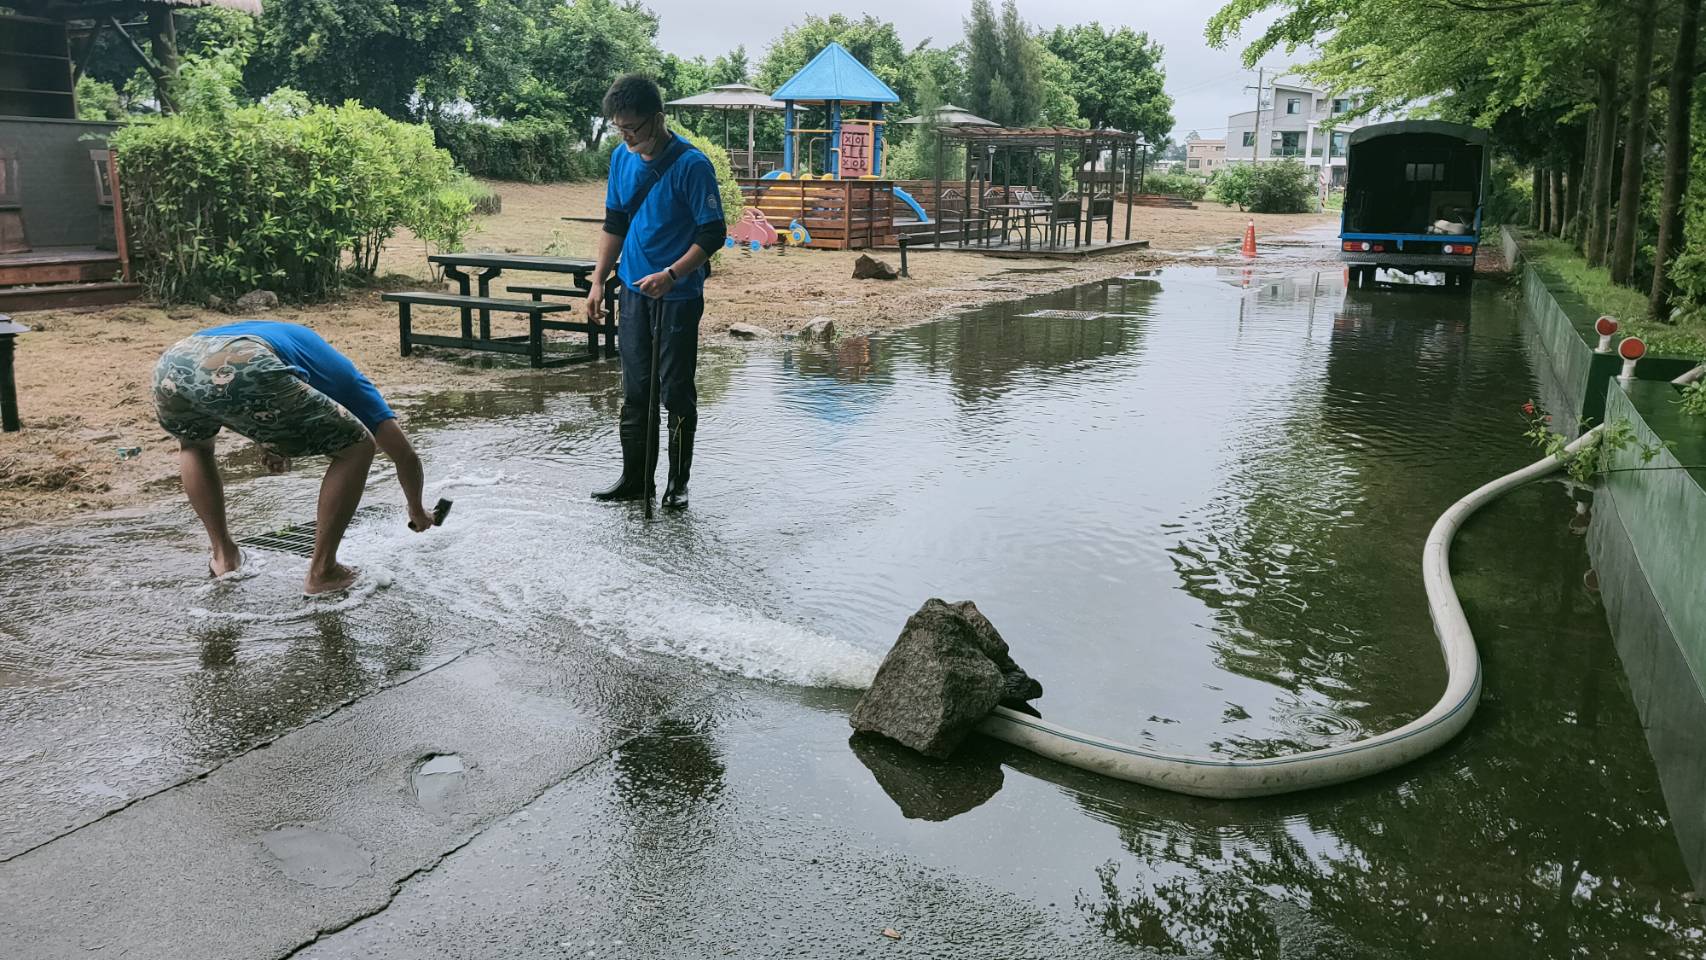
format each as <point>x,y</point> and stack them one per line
<point>1066,217</point>
<point>951,208</point>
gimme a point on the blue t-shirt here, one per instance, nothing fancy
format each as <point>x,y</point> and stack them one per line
<point>325,369</point>
<point>663,228</point>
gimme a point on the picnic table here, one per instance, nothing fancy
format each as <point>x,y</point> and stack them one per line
<point>474,273</point>
<point>1026,211</point>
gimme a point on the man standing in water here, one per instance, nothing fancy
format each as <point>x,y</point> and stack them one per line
<point>664,216</point>
<point>282,386</point>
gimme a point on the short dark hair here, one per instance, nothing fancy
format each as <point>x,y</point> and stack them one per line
<point>633,94</point>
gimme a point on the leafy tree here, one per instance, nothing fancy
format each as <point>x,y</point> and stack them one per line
<point>1008,73</point>
<point>874,43</point>
<point>579,49</point>
<point>1116,78</point>
<point>377,53</point>
<point>731,67</point>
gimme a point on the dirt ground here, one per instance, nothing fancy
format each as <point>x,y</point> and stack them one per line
<point>84,376</point>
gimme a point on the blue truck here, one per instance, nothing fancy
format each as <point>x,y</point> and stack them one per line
<point>1414,192</point>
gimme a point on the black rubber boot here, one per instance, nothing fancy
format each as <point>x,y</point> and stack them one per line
<point>681,430</point>
<point>635,483</point>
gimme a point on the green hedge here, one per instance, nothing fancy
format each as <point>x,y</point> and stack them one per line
<point>1175,185</point>
<point>530,151</point>
<point>282,196</point>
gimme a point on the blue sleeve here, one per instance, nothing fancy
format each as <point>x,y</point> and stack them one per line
<point>701,193</point>
<point>610,201</point>
<point>332,373</point>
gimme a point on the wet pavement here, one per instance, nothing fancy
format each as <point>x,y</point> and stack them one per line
<point>1193,501</point>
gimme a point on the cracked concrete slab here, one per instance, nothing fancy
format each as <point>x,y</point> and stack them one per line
<point>318,828</point>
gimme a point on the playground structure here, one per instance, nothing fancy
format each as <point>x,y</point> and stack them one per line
<point>1030,192</point>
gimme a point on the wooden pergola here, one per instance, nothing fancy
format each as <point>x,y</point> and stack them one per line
<point>1092,183</point>
<point>124,17</point>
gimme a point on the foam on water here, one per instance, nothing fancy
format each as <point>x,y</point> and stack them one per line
<point>369,581</point>
<point>533,557</point>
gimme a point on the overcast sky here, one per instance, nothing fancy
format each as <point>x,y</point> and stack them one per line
<point>1206,84</point>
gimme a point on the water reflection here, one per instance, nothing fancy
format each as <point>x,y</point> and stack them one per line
<point>927,789</point>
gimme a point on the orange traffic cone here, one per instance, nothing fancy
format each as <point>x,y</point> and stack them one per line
<point>1249,248</point>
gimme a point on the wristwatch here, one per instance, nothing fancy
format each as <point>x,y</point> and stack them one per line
<point>671,272</point>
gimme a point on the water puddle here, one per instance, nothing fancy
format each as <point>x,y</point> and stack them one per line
<point>318,858</point>
<point>1193,502</point>
<point>438,783</point>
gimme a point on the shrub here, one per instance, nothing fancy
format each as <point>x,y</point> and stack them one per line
<point>222,199</point>
<point>485,201</point>
<point>97,100</point>
<point>729,190</point>
<point>1175,185</point>
<point>1232,185</point>
<point>1284,187</point>
<point>531,151</point>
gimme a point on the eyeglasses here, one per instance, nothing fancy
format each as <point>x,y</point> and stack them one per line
<point>634,130</point>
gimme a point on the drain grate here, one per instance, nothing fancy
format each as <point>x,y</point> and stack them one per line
<point>1065,314</point>
<point>297,539</point>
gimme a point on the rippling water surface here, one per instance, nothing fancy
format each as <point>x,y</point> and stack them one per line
<point>1193,502</point>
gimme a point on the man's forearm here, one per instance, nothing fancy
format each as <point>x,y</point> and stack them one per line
<point>412,477</point>
<point>609,248</point>
<point>690,261</point>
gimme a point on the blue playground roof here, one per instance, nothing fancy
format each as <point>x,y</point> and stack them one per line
<point>834,75</point>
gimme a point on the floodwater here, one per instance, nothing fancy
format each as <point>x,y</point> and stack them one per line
<point>1192,501</point>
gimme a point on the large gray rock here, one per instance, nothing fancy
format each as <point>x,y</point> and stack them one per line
<point>946,672</point>
<point>819,329</point>
<point>869,268</point>
<point>746,331</point>
<point>256,300</point>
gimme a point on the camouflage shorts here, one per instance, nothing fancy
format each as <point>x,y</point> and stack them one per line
<point>204,383</point>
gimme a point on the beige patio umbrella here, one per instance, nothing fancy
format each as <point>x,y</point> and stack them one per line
<point>730,97</point>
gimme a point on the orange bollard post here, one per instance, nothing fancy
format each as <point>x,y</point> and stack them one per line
<point>1249,248</point>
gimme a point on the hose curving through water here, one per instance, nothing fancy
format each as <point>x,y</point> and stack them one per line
<point>1223,778</point>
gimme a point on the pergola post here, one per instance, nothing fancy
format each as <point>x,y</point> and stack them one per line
<point>938,217</point>
<point>1130,197</point>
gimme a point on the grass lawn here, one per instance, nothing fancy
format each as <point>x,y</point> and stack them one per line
<point>1593,284</point>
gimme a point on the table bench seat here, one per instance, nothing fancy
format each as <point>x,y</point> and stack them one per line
<point>532,344</point>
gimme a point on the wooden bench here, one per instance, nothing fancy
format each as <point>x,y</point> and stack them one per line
<point>532,343</point>
<point>539,293</point>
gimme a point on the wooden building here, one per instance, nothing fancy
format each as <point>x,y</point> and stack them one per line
<point>62,240</point>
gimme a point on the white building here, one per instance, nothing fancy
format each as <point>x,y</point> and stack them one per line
<point>1204,157</point>
<point>1299,122</point>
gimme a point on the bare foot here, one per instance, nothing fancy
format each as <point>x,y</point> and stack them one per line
<point>331,580</point>
<point>225,560</point>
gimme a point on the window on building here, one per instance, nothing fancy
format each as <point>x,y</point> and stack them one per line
<point>1193,163</point>
<point>1291,143</point>
<point>1293,104</point>
<point>1249,138</point>
<point>1341,105</point>
<point>1339,144</point>
<point>1424,172</point>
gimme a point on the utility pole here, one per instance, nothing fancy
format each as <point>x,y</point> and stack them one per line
<point>1256,136</point>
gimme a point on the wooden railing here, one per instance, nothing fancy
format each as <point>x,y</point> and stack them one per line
<point>839,214</point>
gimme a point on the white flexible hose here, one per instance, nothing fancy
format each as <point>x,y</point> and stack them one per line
<point>1225,778</point>
<point>1691,376</point>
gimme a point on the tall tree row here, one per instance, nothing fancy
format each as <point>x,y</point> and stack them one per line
<point>1596,96</point>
